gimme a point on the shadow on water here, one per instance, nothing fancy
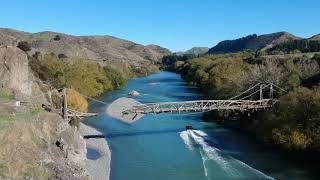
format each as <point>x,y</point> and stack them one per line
<point>162,80</point>
<point>141,133</point>
<point>176,130</point>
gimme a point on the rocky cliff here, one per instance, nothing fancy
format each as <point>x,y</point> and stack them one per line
<point>14,70</point>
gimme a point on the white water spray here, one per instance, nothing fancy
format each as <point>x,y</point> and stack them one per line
<point>210,155</point>
<point>185,136</point>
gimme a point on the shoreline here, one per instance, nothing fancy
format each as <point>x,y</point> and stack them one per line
<point>99,168</point>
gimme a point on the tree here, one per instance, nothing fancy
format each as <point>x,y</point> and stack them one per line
<point>294,121</point>
<point>60,56</point>
<point>24,46</point>
<point>57,38</point>
<point>76,101</point>
<point>37,55</point>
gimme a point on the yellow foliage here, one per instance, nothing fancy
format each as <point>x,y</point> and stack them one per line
<point>291,138</point>
<point>299,140</point>
<point>76,101</point>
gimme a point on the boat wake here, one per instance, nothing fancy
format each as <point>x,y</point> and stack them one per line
<point>187,139</point>
<point>154,83</point>
<point>217,164</point>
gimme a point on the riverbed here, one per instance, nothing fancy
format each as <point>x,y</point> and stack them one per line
<point>158,147</point>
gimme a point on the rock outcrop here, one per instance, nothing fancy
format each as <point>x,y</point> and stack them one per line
<point>14,70</point>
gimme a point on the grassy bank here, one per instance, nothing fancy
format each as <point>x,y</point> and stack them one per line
<point>19,130</point>
<point>293,124</point>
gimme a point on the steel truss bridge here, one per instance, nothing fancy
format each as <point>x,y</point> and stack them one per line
<point>258,97</point>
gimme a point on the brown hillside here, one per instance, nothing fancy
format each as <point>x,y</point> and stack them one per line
<point>88,47</point>
<point>315,37</point>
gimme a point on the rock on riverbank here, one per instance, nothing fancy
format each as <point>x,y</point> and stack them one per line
<point>99,168</point>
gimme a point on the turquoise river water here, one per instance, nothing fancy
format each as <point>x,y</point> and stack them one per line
<point>157,147</point>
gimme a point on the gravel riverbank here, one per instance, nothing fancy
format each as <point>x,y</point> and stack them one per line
<point>98,166</point>
<point>116,108</point>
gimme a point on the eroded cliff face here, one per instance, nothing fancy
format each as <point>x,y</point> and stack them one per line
<point>14,70</point>
<point>29,150</point>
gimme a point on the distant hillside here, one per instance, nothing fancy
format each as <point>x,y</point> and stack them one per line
<point>297,46</point>
<point>89,47</point>
<point>197,50</point>
<point>194,51</point>
<point>252,42</point>
<point>315,37</point>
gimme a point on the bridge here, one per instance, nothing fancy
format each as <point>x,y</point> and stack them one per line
<point>252,99</point>
<point>74,113</point>
<point>261,96</point>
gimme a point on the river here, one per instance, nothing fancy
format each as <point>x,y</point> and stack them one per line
<point>157,147</point>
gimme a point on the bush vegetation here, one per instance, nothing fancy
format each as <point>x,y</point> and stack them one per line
<point>24,46</point>
<point>87,78</point>
<point>82,77</point>
<point>57,38</point>
<point>294,122</point>
<point>223,76</point>
<point>76,101</point>
<point>297,46</point>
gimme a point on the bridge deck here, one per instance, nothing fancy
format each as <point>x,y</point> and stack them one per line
<point>201,105</point>
<point>73,113</point>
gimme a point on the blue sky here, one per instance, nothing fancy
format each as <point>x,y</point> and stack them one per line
<point>174,24</point>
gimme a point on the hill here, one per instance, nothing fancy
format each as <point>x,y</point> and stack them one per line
<point>297,46</point>
<point>88,47</point>
<point>315,38</point>
<point>194,51</point>
<point>252,42</point>
<point>197,50</point>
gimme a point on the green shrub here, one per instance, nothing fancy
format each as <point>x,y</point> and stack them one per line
<point>57,38</point>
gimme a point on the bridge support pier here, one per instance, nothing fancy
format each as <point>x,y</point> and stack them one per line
<point>261,91</point>
<point>64,105</point>
<point>271,91</point>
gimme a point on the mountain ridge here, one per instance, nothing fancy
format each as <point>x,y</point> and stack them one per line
<point>315,37</point>
<point>96,47</point>
<point>253,42</point>
<point>197,50</point>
